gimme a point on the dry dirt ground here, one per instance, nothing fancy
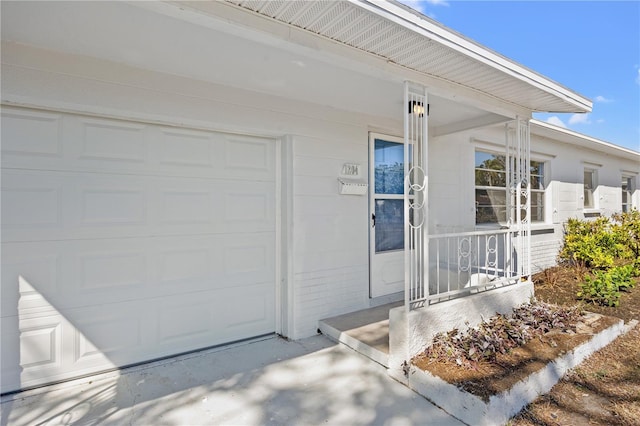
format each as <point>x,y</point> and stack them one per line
<point>605,388</point>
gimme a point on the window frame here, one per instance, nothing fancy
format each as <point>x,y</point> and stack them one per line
<point>542,178</point>
<point>630,181</point>
<point>594,183</point>
<point>489,187</point>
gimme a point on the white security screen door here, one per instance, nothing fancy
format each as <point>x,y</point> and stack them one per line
<point>386,213</point>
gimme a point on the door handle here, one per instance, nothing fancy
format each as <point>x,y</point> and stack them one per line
<point>373,220</point>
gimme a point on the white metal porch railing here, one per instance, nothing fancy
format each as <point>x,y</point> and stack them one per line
<point>441,266</point>
<point>466,262</point>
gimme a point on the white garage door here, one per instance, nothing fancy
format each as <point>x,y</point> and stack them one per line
<point>124,242</point>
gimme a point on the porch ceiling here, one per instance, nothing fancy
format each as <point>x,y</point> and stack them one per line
<point>212,45</point>
<point>402,36</point>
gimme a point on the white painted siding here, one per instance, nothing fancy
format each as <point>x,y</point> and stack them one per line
<point>331,240</point>
<point>566,200</point>
<point>451,184</point>
<point>565,186</point>
<point>544,248</point>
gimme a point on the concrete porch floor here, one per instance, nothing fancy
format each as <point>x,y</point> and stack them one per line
<point>267,382</point>
<point>365,331</point>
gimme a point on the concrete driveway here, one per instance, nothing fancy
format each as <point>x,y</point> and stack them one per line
<point>267,382</point>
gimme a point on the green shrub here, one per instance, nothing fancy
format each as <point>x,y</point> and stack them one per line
<point>626,227</point>
<point>600,289</point>
<point>589,243</point>
<point>622,276</point>
<point>603,242</point>
<point>605,285</point>
<point>610,248</point>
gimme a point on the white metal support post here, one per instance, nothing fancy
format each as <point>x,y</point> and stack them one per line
<point>518,161</point>
<point>416,177</point>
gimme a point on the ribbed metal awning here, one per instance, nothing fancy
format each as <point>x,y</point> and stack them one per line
<point>400,35</point>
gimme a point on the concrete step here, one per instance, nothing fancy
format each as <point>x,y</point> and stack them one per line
<point>365,331</point>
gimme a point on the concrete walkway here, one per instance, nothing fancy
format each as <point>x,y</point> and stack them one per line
<point>270,382</point>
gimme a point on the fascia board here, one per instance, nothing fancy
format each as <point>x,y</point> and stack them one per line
<point>569,136</point>
<point>401,16</point>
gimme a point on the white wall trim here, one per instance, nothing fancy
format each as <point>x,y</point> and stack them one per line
<point>287,313</point>
<point>118,114</point>
<point>493,146</point>
<point>280,303</point>
<point>483,144</point>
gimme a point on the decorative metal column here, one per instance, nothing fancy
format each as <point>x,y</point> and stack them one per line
<point>518,167</point>
<point>416,220</point>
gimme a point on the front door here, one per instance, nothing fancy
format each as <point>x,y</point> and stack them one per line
<point>386,213</point>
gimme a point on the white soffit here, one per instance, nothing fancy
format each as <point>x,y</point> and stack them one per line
<point>403,36</point>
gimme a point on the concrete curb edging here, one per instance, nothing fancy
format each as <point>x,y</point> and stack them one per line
<point>500,408</point>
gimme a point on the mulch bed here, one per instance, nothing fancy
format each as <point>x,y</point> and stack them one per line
<point>491,378</point>
<point>603,390</point>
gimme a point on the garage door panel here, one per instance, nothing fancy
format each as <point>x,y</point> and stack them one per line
<point>187,206</point>
<point>58,275</point>
<point>184,266</point>
<point>186,149</point>
<point>113,141</point>
<point>112,205</point>
<point>30,204</point>
<point>40,350</point>
<point>188,321</point>
<point>214,206</point>
<point>101,205</point>
<point>28,133</point>
<point>253,309</point>
<point>102,334</point>
<point>10,360</point>
<point>41,140</point>
<point>124,242</point>
<point>40,343</point>
<point>246,154</point>
<point>111,271</point>
<point>27,280</point>
<point>248,206</point>
<point>62,275</point>
<point>110,334</point>
<point>245,259</point>
<point>65,206</point>
<point>213,317</point>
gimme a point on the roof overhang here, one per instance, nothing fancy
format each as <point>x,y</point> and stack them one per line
<point>561,134</point>
<point>402,36</point>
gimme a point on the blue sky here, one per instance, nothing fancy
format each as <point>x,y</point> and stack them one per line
<point>591,47</point>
